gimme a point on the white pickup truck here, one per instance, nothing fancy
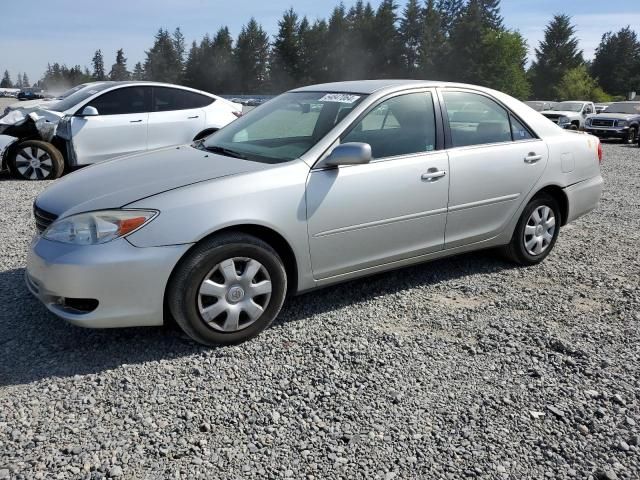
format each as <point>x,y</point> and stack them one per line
<point>571,115</point>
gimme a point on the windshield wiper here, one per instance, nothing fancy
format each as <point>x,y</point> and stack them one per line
<point>225,151</point>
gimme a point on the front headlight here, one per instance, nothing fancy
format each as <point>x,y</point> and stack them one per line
<point>93,228</point>
<point>564,121</point>
<point>621,123</point>
<point>588,122</point>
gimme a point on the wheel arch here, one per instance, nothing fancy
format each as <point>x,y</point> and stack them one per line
<point>204,133</point>
<point>558,194</point>
<point>268,235</point>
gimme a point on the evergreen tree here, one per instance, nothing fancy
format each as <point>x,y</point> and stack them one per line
<point>450,12</point>
<point>285,66</point>
<point>224,67</point>
<point>617,62</point>
<point>25,80</point>
<point>6,80</point>
<point>361,42</point>
<point>138,72</point>
<point>506,71</point>
<point>98,66</point>
<point>467,59</point>
<point>434,47</point>
<point>557,54</point>
<point>179,44</point>
<point>412,33</point>
<point>252,58</point>
<point>119,70</point>
<point>337,44</point>
<point>18,82</point>
<point>313,52</point>
<point>388,53</point>
<point>163,60</point>
<point>490,12</point>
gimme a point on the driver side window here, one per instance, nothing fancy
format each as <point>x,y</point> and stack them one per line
<point>402,125</point>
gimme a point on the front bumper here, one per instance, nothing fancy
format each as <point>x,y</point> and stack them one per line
<point>128,282</point>
<point>608,132</point>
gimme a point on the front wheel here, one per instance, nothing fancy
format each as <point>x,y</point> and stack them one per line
<point>36,160</point>
<point>631,137</point>
<point>228,289</point>
<point>536,232</point>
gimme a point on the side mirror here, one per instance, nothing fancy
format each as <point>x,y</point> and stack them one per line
<point>89,112</point>
<point>349,154</point>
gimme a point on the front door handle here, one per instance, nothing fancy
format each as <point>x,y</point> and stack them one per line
<point>196,116</point>
<point>532,158</point>
<point>433,174</point>
<point>135,121</point>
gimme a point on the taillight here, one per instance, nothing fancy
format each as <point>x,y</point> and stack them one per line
<point>600,152</point>
<point>237,113</point>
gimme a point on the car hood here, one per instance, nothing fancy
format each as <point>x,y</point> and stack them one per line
<point>615,116</point>
<point>119,182</point>
<point>560,113</point>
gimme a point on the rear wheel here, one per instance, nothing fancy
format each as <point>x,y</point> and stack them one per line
<point>36,160</point>
<point>228,289</point>
<point>536,232</point>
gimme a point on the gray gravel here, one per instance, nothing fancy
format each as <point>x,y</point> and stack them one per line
<point>463,368</point>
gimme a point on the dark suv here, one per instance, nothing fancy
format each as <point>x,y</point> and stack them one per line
<point>621,120</point>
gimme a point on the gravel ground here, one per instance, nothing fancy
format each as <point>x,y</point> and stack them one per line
<point>462,368</point>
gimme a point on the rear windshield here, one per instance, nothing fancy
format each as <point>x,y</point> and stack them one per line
<point>79,97</point>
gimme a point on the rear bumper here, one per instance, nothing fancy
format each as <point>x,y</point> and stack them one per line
<point>583,197</point>
<point>127,282</point>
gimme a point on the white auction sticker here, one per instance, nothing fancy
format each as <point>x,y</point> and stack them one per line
<point>339,98</point>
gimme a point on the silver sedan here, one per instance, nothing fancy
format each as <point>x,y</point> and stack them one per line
<point>320,185</point>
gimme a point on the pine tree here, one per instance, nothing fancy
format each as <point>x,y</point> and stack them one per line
<point>490,11</point>
<point>285,65</point>
<point>98,66</point>
<point>18,82</point>
<point>163,60</point>
<point>6,80</point>
<point>313,52</point>
<point>337,44</point>
<point>466,61</point>
<point>223,66</point>
<point>412,32</point>
<point>25,80</point>
<point>557,54</point>
<point>119,70</point>
<point>449,12</point>
<point>361,42</point>
<point>138,72</point>
<point>434,48</point>
<point>388,54</point>
<point>616,64</point>
<point>252,58</point>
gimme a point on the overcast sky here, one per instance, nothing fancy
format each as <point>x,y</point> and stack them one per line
<point>69,31</point>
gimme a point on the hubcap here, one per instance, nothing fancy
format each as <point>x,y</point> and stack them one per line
<point>33,163</point>
<point>234,294</point>
<point>539,231</point>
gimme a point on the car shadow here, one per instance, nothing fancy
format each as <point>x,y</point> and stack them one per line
<point>36,345</point>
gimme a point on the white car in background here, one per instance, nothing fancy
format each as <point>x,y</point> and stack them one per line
<point>107,120</point>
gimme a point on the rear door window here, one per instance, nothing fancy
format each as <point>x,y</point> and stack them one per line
<point>166,99</point>
<point>475,119</point>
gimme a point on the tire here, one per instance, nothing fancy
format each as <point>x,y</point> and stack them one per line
<point>525,241</point>
<point>574,127</point>
<point>35,160</point>
<point>232,289</point>
<point>632,136</point>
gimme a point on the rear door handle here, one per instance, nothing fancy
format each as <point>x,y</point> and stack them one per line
<point>190,118</point>
<point>433,174</point>
<point>532,158</point>
<point>135,121</point>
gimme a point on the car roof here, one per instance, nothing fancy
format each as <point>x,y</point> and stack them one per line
<point>370,86</point>
<point>125,83</point>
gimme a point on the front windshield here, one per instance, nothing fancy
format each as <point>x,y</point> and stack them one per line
<point>71,91</point>
<point>79,96</point>
<point>283,128</point>
<point>568,107</point>
<point>629,108</point>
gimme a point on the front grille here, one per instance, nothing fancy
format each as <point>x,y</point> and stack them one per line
<point>599,122</point>
<point>43,218</point>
